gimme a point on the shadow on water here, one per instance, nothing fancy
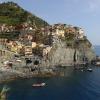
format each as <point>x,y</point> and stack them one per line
<point>75,85</point>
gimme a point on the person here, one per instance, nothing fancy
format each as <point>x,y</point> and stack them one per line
<point>3,94</point>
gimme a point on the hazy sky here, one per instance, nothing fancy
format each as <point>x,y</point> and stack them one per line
<point>83,13</point>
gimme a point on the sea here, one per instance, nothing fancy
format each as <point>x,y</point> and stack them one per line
<point>75,85</point>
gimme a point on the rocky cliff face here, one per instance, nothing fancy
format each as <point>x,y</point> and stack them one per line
<point>65,51</point>
<point>63,55</point>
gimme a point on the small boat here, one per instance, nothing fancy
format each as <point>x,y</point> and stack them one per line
<point>39,85</point>
<point>89,69</point>
<point>97,63</point>
<point>82,70</point>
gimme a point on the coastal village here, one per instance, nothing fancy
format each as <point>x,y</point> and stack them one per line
<point>28,39</point>
<point>39,60</point>
<point>27,50</point>
<point>26,43</point>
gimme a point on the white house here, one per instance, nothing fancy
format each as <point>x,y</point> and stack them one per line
<point>80,33</point>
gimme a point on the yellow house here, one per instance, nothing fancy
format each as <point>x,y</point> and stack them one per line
<point>60,32</point>
<point>34,44</point>
<point>14,49</point>
<point>20,49</point>
<point>28,50</point>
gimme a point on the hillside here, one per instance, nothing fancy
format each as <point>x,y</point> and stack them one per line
<point>13,14</point>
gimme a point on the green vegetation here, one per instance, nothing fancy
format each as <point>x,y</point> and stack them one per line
<point>12,14</point>
<point>10,36</point>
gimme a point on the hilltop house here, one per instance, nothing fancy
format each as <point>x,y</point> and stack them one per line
<point>70,30</point>
<point>80,33</point>
<point>58,29</point>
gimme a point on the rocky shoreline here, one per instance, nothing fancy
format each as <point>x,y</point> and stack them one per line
<point>33,48</point>
<point>6,76</point>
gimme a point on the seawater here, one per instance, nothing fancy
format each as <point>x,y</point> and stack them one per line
<point>75,85</point>
<point>97,50</point>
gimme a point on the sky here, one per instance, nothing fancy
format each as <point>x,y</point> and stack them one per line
<point>81,13</point>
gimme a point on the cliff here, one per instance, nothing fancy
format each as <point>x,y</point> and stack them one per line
<point>30,47</point>
<point>63,55</point>
<point>67,43</point>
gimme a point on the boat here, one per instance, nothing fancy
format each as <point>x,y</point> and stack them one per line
<point>89,69</point>
<point>39,84</point>
<point>82,70</point>
<point>97,63</point>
